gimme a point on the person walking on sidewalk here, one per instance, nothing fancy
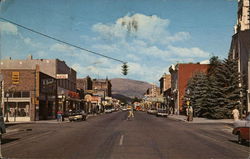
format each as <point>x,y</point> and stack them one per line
<point>59,116</point>
<point>189,113</point>
<point>236,114</point>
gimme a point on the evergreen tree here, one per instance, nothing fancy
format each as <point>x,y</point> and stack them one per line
<point>216,94</point>
<point>225,90</point>
<point>198,88</point>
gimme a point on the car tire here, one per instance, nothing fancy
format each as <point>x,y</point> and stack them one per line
<point>240,140</point>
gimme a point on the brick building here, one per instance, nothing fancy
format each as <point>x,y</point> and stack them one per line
<point>65,80</point>
<point>84,83</point>
<point>31,95</point>
<point>102,87</point>
<point>165,83</point>
<point>180,74</point>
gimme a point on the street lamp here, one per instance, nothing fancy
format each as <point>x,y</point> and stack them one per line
<point>7,115</point>
<point>188,99</point>
<point>189,108</point>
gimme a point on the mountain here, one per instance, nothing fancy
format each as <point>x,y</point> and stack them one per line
<point>129,88</point>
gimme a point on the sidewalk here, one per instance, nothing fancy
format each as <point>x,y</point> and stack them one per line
<point>50,121</point>
<point>198,120</point>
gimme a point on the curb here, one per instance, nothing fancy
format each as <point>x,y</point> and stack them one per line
<point>176,119</point>
<point>230,123</point>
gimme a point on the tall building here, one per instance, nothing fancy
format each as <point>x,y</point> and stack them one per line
<point>84,83</point>
<point>240,46</point>
<point>243,16</point>
<point>165,83</point>
<point>180,74</point>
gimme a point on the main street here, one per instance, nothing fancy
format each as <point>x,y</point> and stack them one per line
<point>111,136</point>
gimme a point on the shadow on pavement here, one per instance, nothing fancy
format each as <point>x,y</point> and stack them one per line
<point>8,140</point>
<point>247,144</point>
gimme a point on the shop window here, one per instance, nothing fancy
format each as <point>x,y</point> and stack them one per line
<point>17,95</point>
<point>25,94</point>
<point>10,94</point>
<point>23,109</point>
<point>18,109</point>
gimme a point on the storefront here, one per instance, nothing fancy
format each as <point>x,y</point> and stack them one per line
<point>28,95</point>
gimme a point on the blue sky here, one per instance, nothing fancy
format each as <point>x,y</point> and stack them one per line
<point>149,34</point>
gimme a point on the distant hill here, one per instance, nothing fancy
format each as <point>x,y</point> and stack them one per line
<point>129,88</point>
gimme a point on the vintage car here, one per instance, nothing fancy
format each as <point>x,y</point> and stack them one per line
<point>107,110</point>
<point>162,112</point>
<point>242,129</point>
<point>77,115</point>
<point>152,111</point>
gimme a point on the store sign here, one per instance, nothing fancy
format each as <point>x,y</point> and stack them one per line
<point>62,76</point>
<point>49,81</point>
<point>15,77</point>
<point>73,94</point>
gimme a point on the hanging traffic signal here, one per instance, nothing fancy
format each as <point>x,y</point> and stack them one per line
<point>125,69</point>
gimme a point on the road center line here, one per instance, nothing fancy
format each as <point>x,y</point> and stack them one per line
<point>121,140</point>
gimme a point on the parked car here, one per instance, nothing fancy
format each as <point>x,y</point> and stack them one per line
<point>152,111</point>
<point>77,115</point>
<point>162,112</point>
<point>242,129</point>
<point>107,110</point>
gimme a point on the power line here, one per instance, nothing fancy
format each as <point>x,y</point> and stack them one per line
<point>61,41</point>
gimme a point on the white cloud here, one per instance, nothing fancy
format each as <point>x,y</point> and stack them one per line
<point>150,28</point>
<point>27,40</point>
<point>101,70</point>
<point>145,42</point>
<point>133,57</point>
<point>105,48</point>
<point>61,48</point>
<point>42,54</point>
<point>8,28</point>
<point>205,62</point>
<point>188,52</point>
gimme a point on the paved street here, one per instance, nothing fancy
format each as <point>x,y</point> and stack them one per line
<point>110,136</point>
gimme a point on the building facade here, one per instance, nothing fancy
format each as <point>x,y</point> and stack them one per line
<point>243,16</point>
<point>28,95</point>
<point>180,74</point>
<point>64,76</point>
<point>102,87</point>
<point>165,83</point>
<point>240,46</point>
<point>84,83</point>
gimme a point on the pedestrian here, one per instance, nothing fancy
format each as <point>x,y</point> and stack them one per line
<point>131,113</point>
<point>59,116</point>
<point>190,113</point>
<point>187,109</point>
<point>236,114</point>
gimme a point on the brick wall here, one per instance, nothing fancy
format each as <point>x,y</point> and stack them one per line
<point>26,80</point>
<point>185,72</point>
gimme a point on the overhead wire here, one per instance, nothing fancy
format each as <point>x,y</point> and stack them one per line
<point>61,41</point>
